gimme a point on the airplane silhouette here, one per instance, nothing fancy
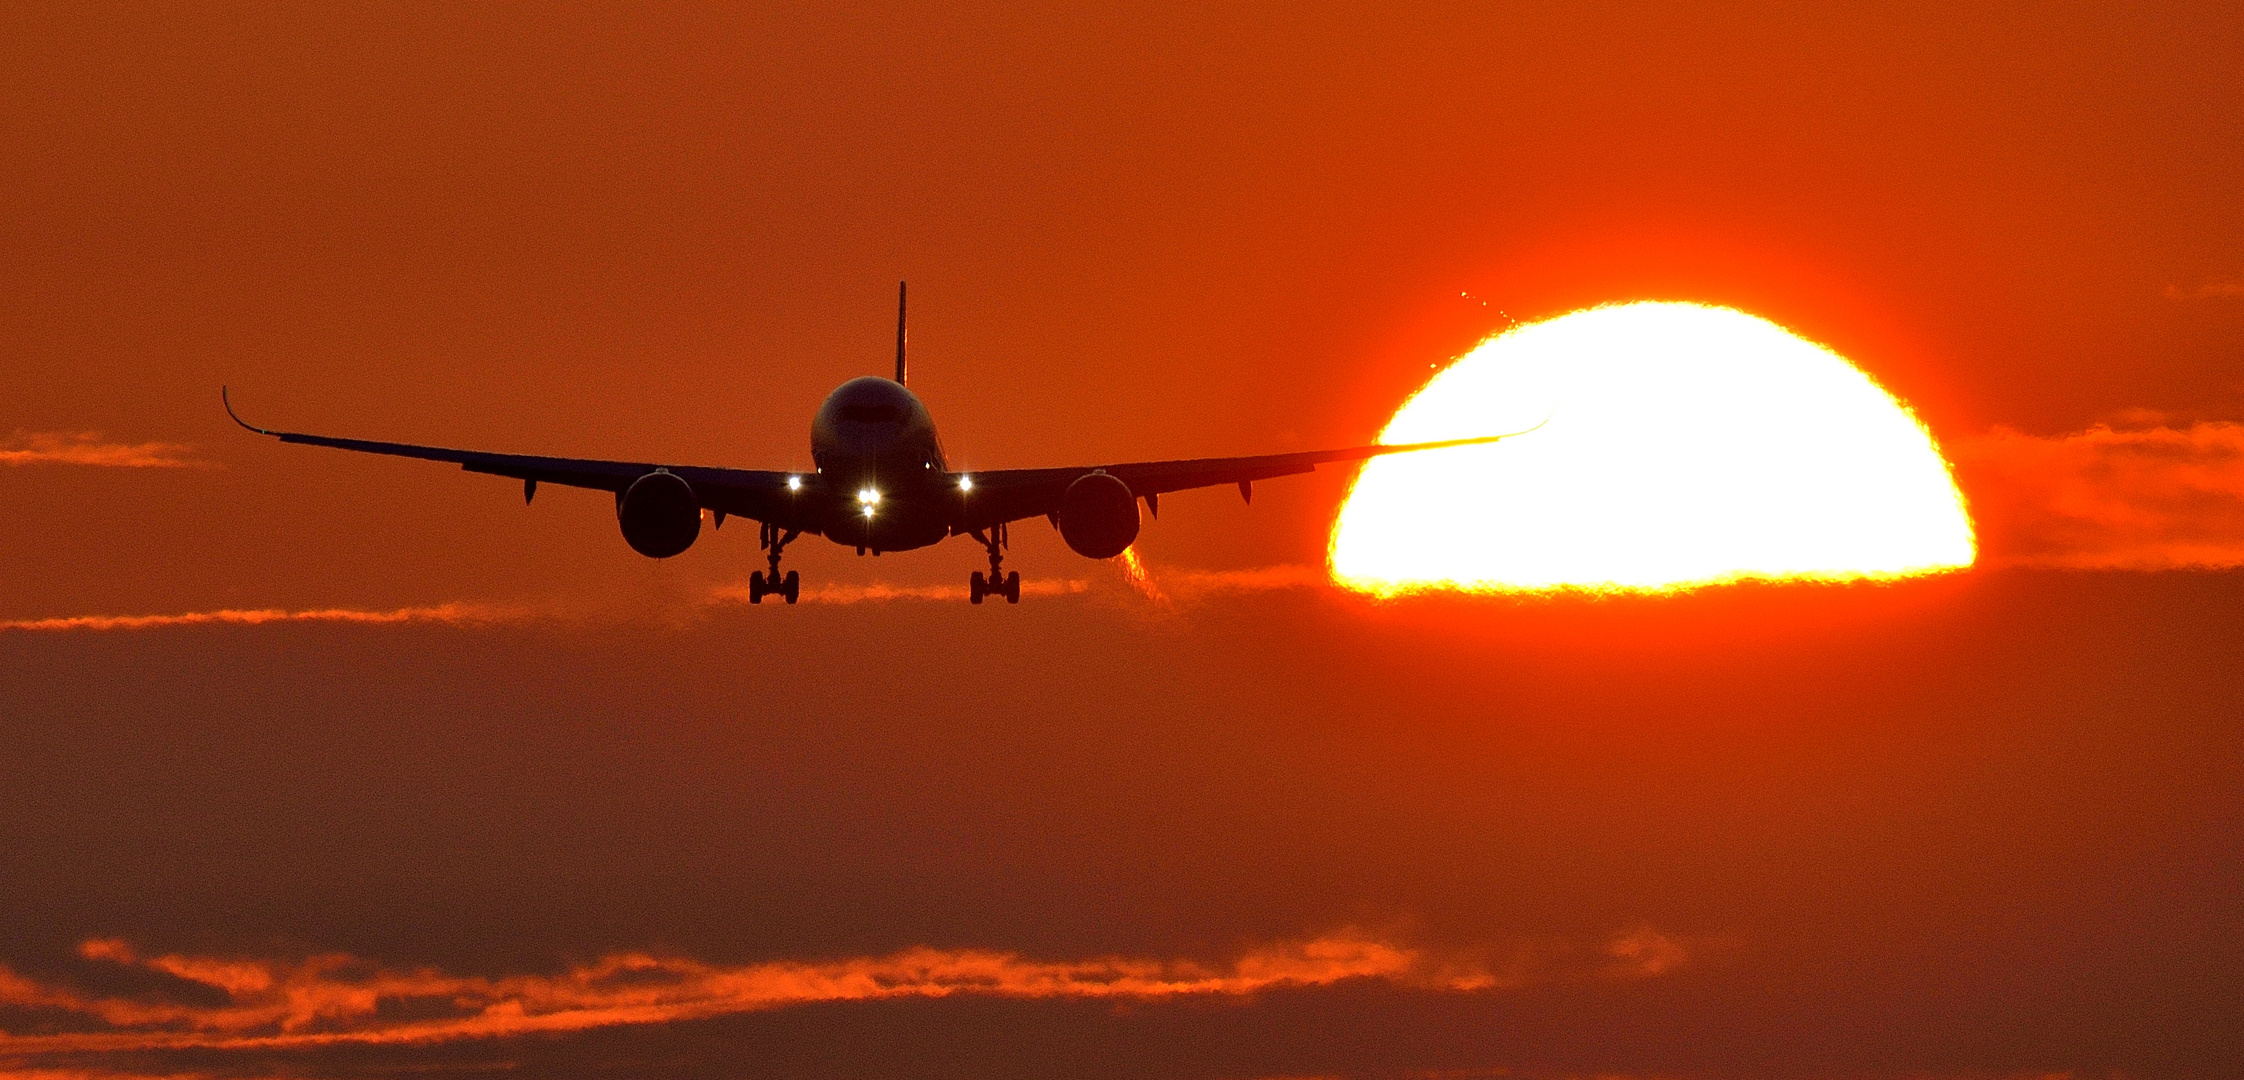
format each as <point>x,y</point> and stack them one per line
<point>880,483</point>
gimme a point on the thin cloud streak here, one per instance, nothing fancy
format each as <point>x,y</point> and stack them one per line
<point>1543,1072</point>
<point>457,614</point>
<point>11,1072</point>
<point>1198,583</point>
<point>1167,586</point>
<point>336,1000</point>
<point>2146,498</point>
<point>469,613</point>
<point>2215,290</point>
<point>2150,498</point>
<point>89,448</point>
<point>7,1073</point>
<point>879,591</point>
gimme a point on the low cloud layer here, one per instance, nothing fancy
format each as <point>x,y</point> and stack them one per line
<point>453,613</point>
<point>89,448</point>
<point>230,1004</point>
<point>2212,290</point>
<point>7,1073</point>
<point>467,613</point>
<point>2143,498</point>
<point>1168,586</point>
<point>2146,497</point>
<point>877,591</point>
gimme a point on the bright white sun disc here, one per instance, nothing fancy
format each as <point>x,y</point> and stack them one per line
<point>1686,445</point>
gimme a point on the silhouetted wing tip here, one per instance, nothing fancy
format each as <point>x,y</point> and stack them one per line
<point>226,398</point>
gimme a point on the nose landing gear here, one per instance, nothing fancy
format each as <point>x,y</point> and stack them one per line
<point>760,586</point>
<point>998,583</point>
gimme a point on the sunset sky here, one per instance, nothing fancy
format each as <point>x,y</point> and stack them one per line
<point>328,765</point>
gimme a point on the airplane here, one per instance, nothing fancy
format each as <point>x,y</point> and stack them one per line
<point>879,483</point>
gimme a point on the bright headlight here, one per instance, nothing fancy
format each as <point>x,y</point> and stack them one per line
<point>966,483</point>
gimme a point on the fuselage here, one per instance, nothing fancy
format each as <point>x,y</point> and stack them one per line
<point>881,477</point>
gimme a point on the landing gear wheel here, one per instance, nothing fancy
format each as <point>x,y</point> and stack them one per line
<point>998,583</point>
<point>760,584</point>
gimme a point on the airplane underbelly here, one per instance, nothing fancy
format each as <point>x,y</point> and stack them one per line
<point>895,525</point>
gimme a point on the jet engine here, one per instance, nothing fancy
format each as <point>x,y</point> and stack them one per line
<point>1098,516</point>
<point>659,515</point>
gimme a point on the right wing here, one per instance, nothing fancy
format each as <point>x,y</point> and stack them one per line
<point>778,498</point>
<point>1012,494</point>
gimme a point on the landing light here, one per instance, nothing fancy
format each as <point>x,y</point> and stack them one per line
<point>868,510</point>
<point>869,497</point>
<point>966,483</point>
<point>794,483</point>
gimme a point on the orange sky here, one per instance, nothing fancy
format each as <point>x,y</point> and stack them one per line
<point>1983,825</point>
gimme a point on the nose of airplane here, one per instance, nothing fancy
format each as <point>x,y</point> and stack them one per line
<point>863,418</point>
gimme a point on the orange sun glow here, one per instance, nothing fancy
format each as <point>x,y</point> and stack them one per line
<point>1686,445</point>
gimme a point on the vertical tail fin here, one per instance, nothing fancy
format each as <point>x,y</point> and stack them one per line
<point>899,333</point>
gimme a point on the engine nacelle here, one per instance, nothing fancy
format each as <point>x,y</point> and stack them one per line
<point>1098,516</point>
<point>659,515</point>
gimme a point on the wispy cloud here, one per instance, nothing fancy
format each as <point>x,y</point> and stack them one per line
<point>1546,1072</point>
<point>1169,586</point>
<point>2211,290</point>
<point>2144,495</point>
<point>333,1000</point>
<point>1192,584</point>
<point>89,448</point>
<point>7,1073</point>
<point>1644,952</point>
<point>2144,498</point>
<point>880,591</point>
<point>454,613</point>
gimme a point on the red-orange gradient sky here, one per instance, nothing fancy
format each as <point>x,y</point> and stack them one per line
<point>385,772</point>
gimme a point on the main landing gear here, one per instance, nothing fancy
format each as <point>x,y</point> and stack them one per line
<point>1005,585</point>
<point>760,586</point>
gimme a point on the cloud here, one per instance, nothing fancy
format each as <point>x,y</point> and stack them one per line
<point>2146,498</point>
<point>7,1073</point>
<point>1544,1072</point>
<point>1189,584</point>
<point>1171,586</point>
<point>877,591</point>
<point>89,448</point>
<point>1643,953</point>
<point>2146,495</point>
<point>452,613</point>
<point>332,1000</point>
<point>2208,291</point>
<point>1199,583</point>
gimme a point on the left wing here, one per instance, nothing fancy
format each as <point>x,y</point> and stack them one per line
<point>1012,494</point>
<point>750,493</point>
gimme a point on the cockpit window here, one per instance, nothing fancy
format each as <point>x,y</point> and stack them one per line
<point>873,414</point>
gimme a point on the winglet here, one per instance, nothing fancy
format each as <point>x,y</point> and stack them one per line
<point>1538,427</point>
<point>226,399</point>
<point>899,333</point>
<point>1445,444</point>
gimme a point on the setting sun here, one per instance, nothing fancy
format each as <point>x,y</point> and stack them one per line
<point>1685,445</point>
